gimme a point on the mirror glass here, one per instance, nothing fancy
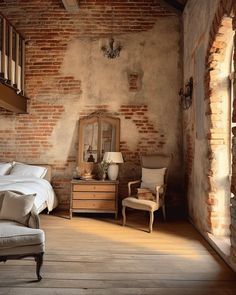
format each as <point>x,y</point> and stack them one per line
<point>108,138</point>
<point>90,142</point>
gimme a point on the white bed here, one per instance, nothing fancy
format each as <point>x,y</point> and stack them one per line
<point>45,195</point>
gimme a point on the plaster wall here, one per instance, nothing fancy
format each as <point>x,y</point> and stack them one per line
<point>105,82</point>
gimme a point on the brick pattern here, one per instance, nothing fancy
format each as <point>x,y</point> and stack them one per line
<point>134,80</point>
<point>151,140</point>
<point>29,138</point>
<point>48,20</point>
<point>216,135</point>
<point>189,157</point>
<point>233,179</point>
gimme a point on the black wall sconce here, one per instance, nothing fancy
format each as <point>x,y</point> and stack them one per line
<point>186,95</point>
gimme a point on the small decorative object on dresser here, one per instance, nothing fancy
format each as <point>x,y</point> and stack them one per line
<point>104,165</point>
<point>94,196</point>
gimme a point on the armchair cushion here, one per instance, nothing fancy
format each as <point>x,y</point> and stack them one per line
<point>13,233</point>
<point>15,238</point>
<point>135,203</point>
<point>17,207</point>
<point>152,178</point>
<point>145,194</point>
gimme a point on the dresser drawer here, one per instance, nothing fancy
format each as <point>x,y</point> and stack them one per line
<point>94,188</point>
<point>94,195</point>
<point>94,204</point>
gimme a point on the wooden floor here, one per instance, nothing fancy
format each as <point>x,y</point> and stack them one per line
<point>95,255</point>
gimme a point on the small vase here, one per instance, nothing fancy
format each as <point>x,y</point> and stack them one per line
<point>104,175</point>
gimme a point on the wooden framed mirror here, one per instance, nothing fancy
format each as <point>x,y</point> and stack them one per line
<point>98,133</point>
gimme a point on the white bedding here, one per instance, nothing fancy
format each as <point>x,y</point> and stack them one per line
<point>45,196</point>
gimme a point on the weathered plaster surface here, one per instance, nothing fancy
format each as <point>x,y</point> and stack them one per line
<point>155,54</point>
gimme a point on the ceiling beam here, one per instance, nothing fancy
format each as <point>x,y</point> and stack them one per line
<point>12,101</point>
<point>176,4</point>
<point>72,6</point>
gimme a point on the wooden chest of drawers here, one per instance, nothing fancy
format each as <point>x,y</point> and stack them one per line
<point>94,196</point>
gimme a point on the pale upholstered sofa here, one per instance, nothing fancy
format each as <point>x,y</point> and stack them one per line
<point>20,235</point>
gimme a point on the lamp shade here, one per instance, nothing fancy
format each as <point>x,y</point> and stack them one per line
<point>113,157</point>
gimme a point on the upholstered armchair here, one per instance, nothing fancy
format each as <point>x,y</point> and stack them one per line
<point>20,235</point>
<point>153,183</point>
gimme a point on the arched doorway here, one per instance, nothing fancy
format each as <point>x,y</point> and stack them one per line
<point>220,118</point>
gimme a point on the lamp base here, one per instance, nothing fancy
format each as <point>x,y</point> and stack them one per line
<point>112,172</point>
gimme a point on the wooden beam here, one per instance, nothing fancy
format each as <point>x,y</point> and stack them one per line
<point>72,6</point>
<point>174,3</point>
<point>11,101</point>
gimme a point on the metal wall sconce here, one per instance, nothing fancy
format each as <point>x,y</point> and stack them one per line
<point>111,50</point>
<point>186,95</point>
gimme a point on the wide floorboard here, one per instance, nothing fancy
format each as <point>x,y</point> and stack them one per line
<point>95,255</point>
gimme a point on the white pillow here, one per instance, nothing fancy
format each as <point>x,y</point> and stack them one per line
<point>17,207</point>
<point>5,168</point>
<point>152,178</point>
<point>20,169</point>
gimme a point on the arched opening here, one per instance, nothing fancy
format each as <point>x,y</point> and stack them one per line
<point>219,120</point>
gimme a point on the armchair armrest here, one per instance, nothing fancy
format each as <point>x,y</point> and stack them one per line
<point>160,194</point>
<point>130,183</point>
<point>159,189</point>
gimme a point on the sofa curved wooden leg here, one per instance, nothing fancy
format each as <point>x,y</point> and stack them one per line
<point>124,216</point>
<point>39,263</point>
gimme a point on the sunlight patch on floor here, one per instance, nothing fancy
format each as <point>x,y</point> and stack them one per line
<point>136,236</point>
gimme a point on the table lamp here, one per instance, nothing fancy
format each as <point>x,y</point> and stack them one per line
<point>113,158</point>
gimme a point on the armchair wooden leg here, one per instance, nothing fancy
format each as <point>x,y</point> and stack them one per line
<point>151,221</point>
<point>124,216</point>
<point>39,263</point>
<point>164,212</point>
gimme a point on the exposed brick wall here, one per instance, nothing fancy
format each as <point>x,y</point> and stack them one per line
<point>48,29</point>
<point>233,179</point>
<point>217,136</point>
<point>40,18</point>
<point>189,158</point>
<point>150,140</point>
<point>31,133</point>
